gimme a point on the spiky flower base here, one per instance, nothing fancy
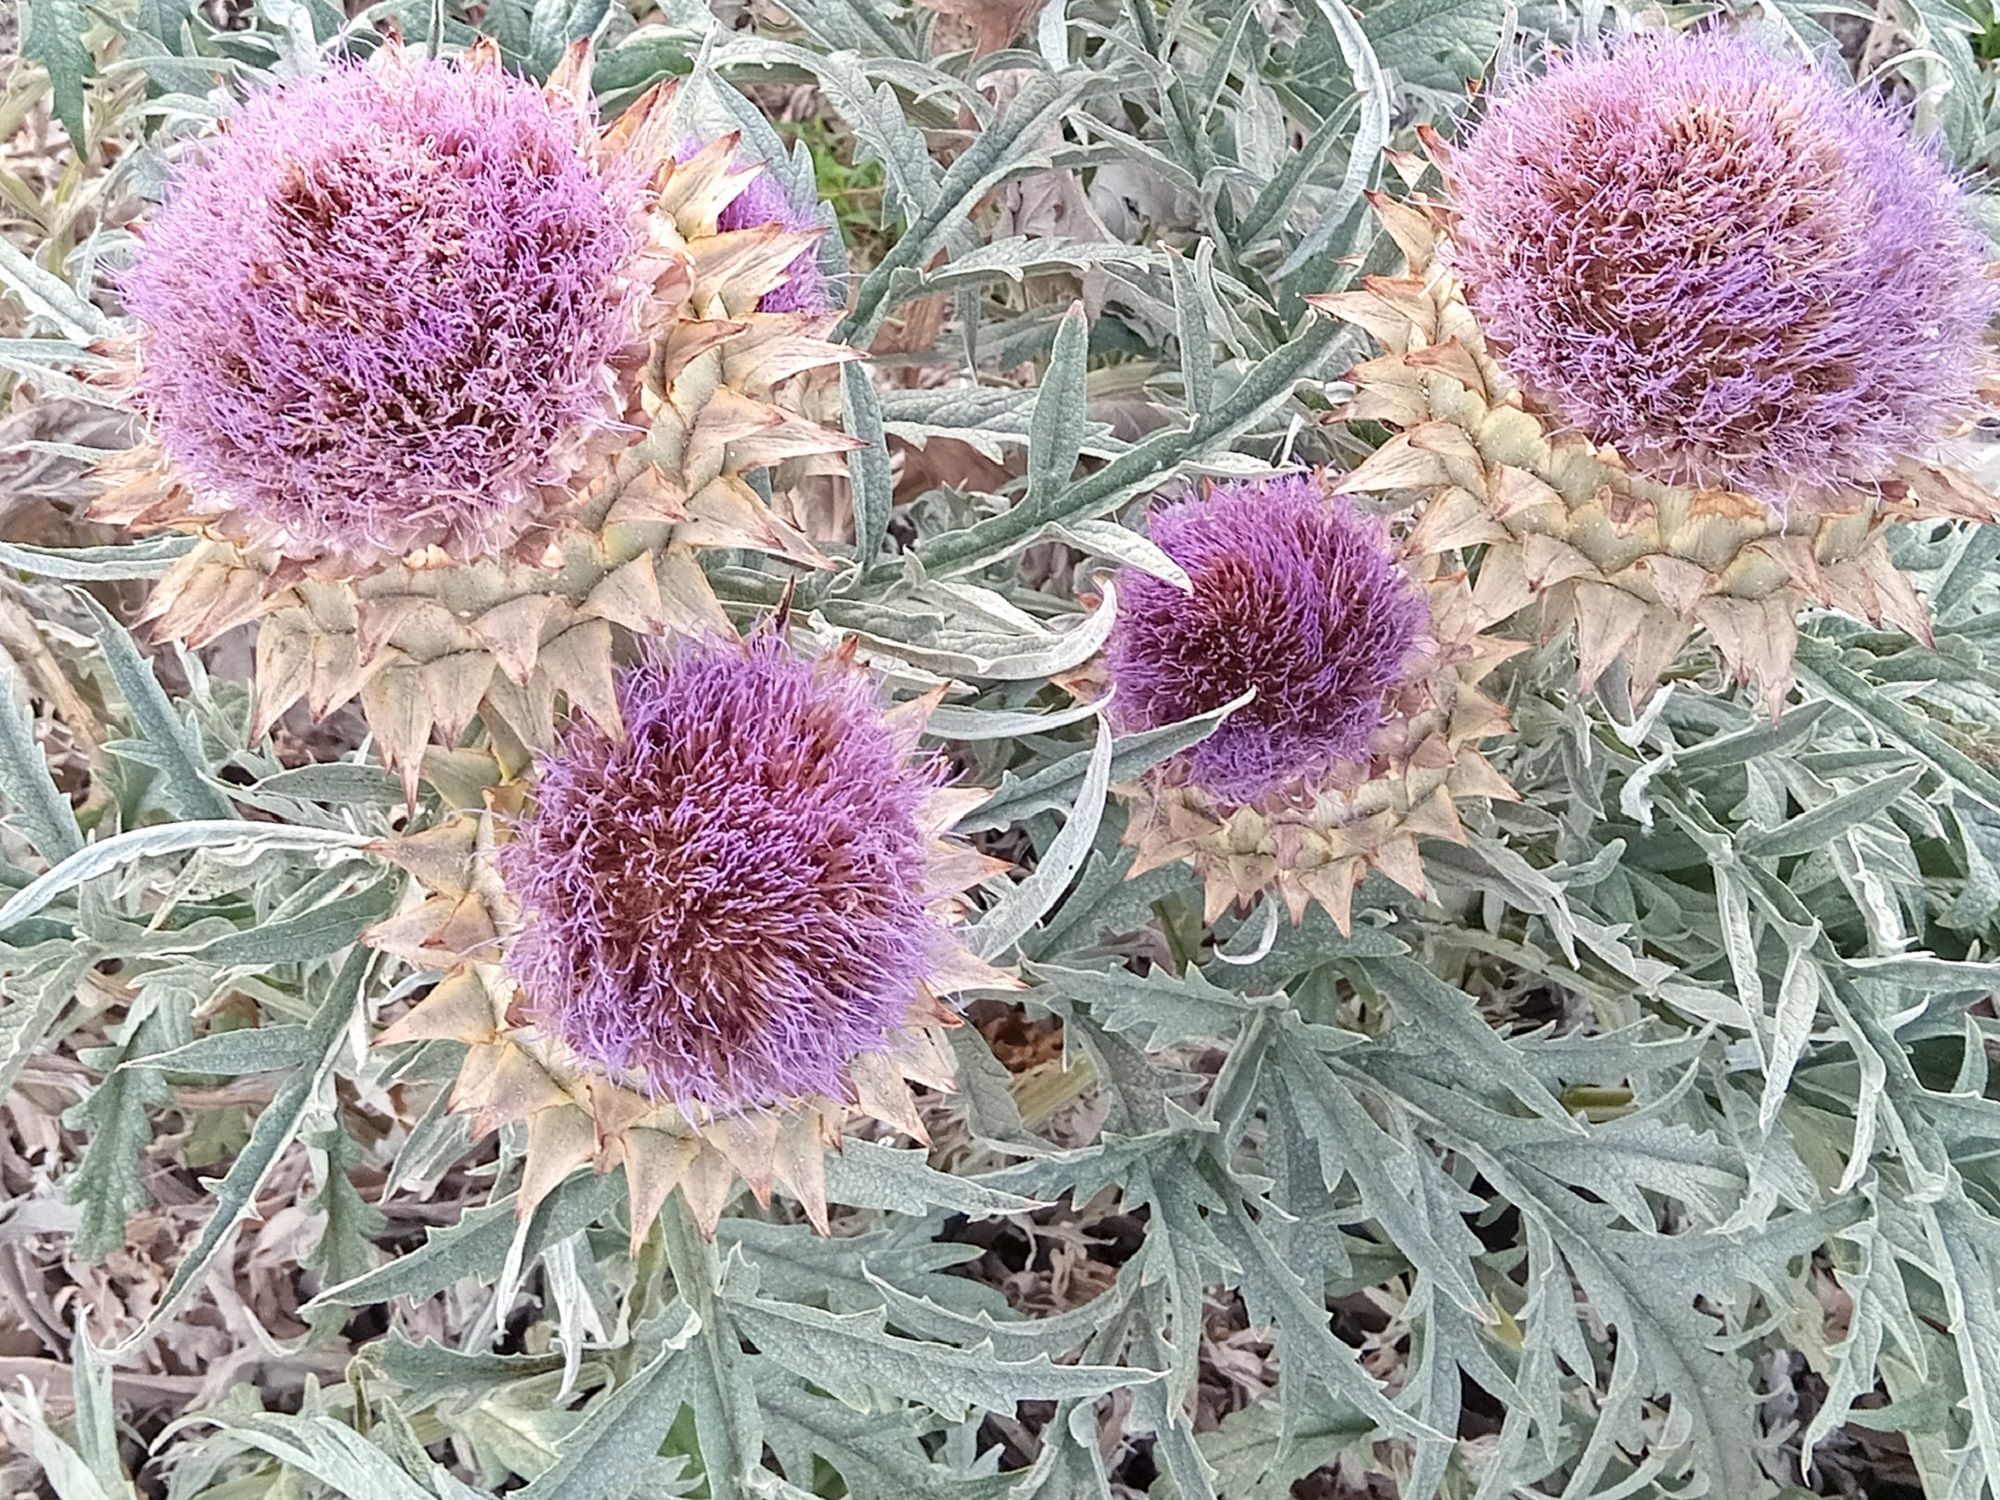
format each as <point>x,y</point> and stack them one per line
<point>461,922</point>
<point>429,641</point>
<point>1318,842</point>
<point>1636,568</point>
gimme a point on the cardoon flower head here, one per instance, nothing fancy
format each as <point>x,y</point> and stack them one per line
<point>1736,270</point>
<point>379,306</point>
<point>1294,595</point>
<point>729,903</point>
<point>765,200</point>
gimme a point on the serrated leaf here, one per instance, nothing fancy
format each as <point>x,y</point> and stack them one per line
<point>996,153</point>
<point>1028,902</point>
<point>109,1183</point>
<point>613,1449</point>
<point>853,1357</point>
<point>275,1126</point>
<point>1821,671</point>
<point>172,747</point>
<point>41,811</point>
<point>1059,785</point>
<point>122,849</point>
<point>479,1241</point>
<point>1055,432</point>
<point>867,1174</point>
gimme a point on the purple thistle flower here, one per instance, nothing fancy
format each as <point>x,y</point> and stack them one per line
<point>1294,595</point>
<point>1733,268</point>
<point>729,902</point>
<point>379,306</point>
<point>764,200</point>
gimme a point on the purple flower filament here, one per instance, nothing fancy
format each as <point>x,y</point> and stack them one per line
<point>378,306</point>
<point>729,903</point>
<point>1295,596</point>
<point>1735,269</point>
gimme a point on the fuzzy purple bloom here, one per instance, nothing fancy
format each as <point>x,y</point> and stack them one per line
<point>379,306</point>
<point>1294,595</point>
<point>730,901</point>
<point>764,200</point>
<point>1730,266</point>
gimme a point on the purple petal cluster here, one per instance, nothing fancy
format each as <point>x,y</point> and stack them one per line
<point>728,902</point>
<point>379,306</point>
<point>1294,595</point>
<point>764,200</point>
<point>1735,269</point>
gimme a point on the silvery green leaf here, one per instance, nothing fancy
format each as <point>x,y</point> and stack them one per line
<point>867,468</point>
<point>272,1131</point>
<point>46,296</point>
<point>170,746</point>
<point>1055,431</point>
<point>1823,674</point>
<point>1120,545</point>
<point>1814,829</point>
<point>250,1049</point>
<point>322,1448</point>
<point>855,1358</point>
<point>878,1455</point>
<point>1059,785</point>
<point>40,809</point>
<point>142,559</point>
<point>1009,919</point>
<point>109,1183</point>
<point>475,1245</point>
<point>950,722</point>
<point>1371,134</point>
<point>229,837</point>
<point>335,782</point>
<point>1003,149</point>
<point>1158,1010</point>
<point>614,1448</point>
<point>24,1419</point>
<point>1145,465</point>
<point>865,1174</point>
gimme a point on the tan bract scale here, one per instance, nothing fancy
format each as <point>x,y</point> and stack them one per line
<point>1318,843</point>
<point>1636,568</point>
<point>426,642</point>
<point>458,921</point>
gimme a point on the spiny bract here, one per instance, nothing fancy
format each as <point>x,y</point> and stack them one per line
<point>1735,270</point>
<point>1362,644</point>
<point>729,900</point>
<point>1638,567</point>
<point>1293,595</point>
<point>381,304</point>
<point>766,201</point>
<point>518,611</point>
<point>695,947</point>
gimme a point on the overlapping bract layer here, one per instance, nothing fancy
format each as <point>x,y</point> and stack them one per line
<point>1365,643</point>
<point>703,396</point>
<point>804,288</point>
<point>1732,268</point>
<point>382,308</point>
<point>1293,595</point>
<point>1638,568</point>
<point>729,900</point>
<point>695,950</point>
